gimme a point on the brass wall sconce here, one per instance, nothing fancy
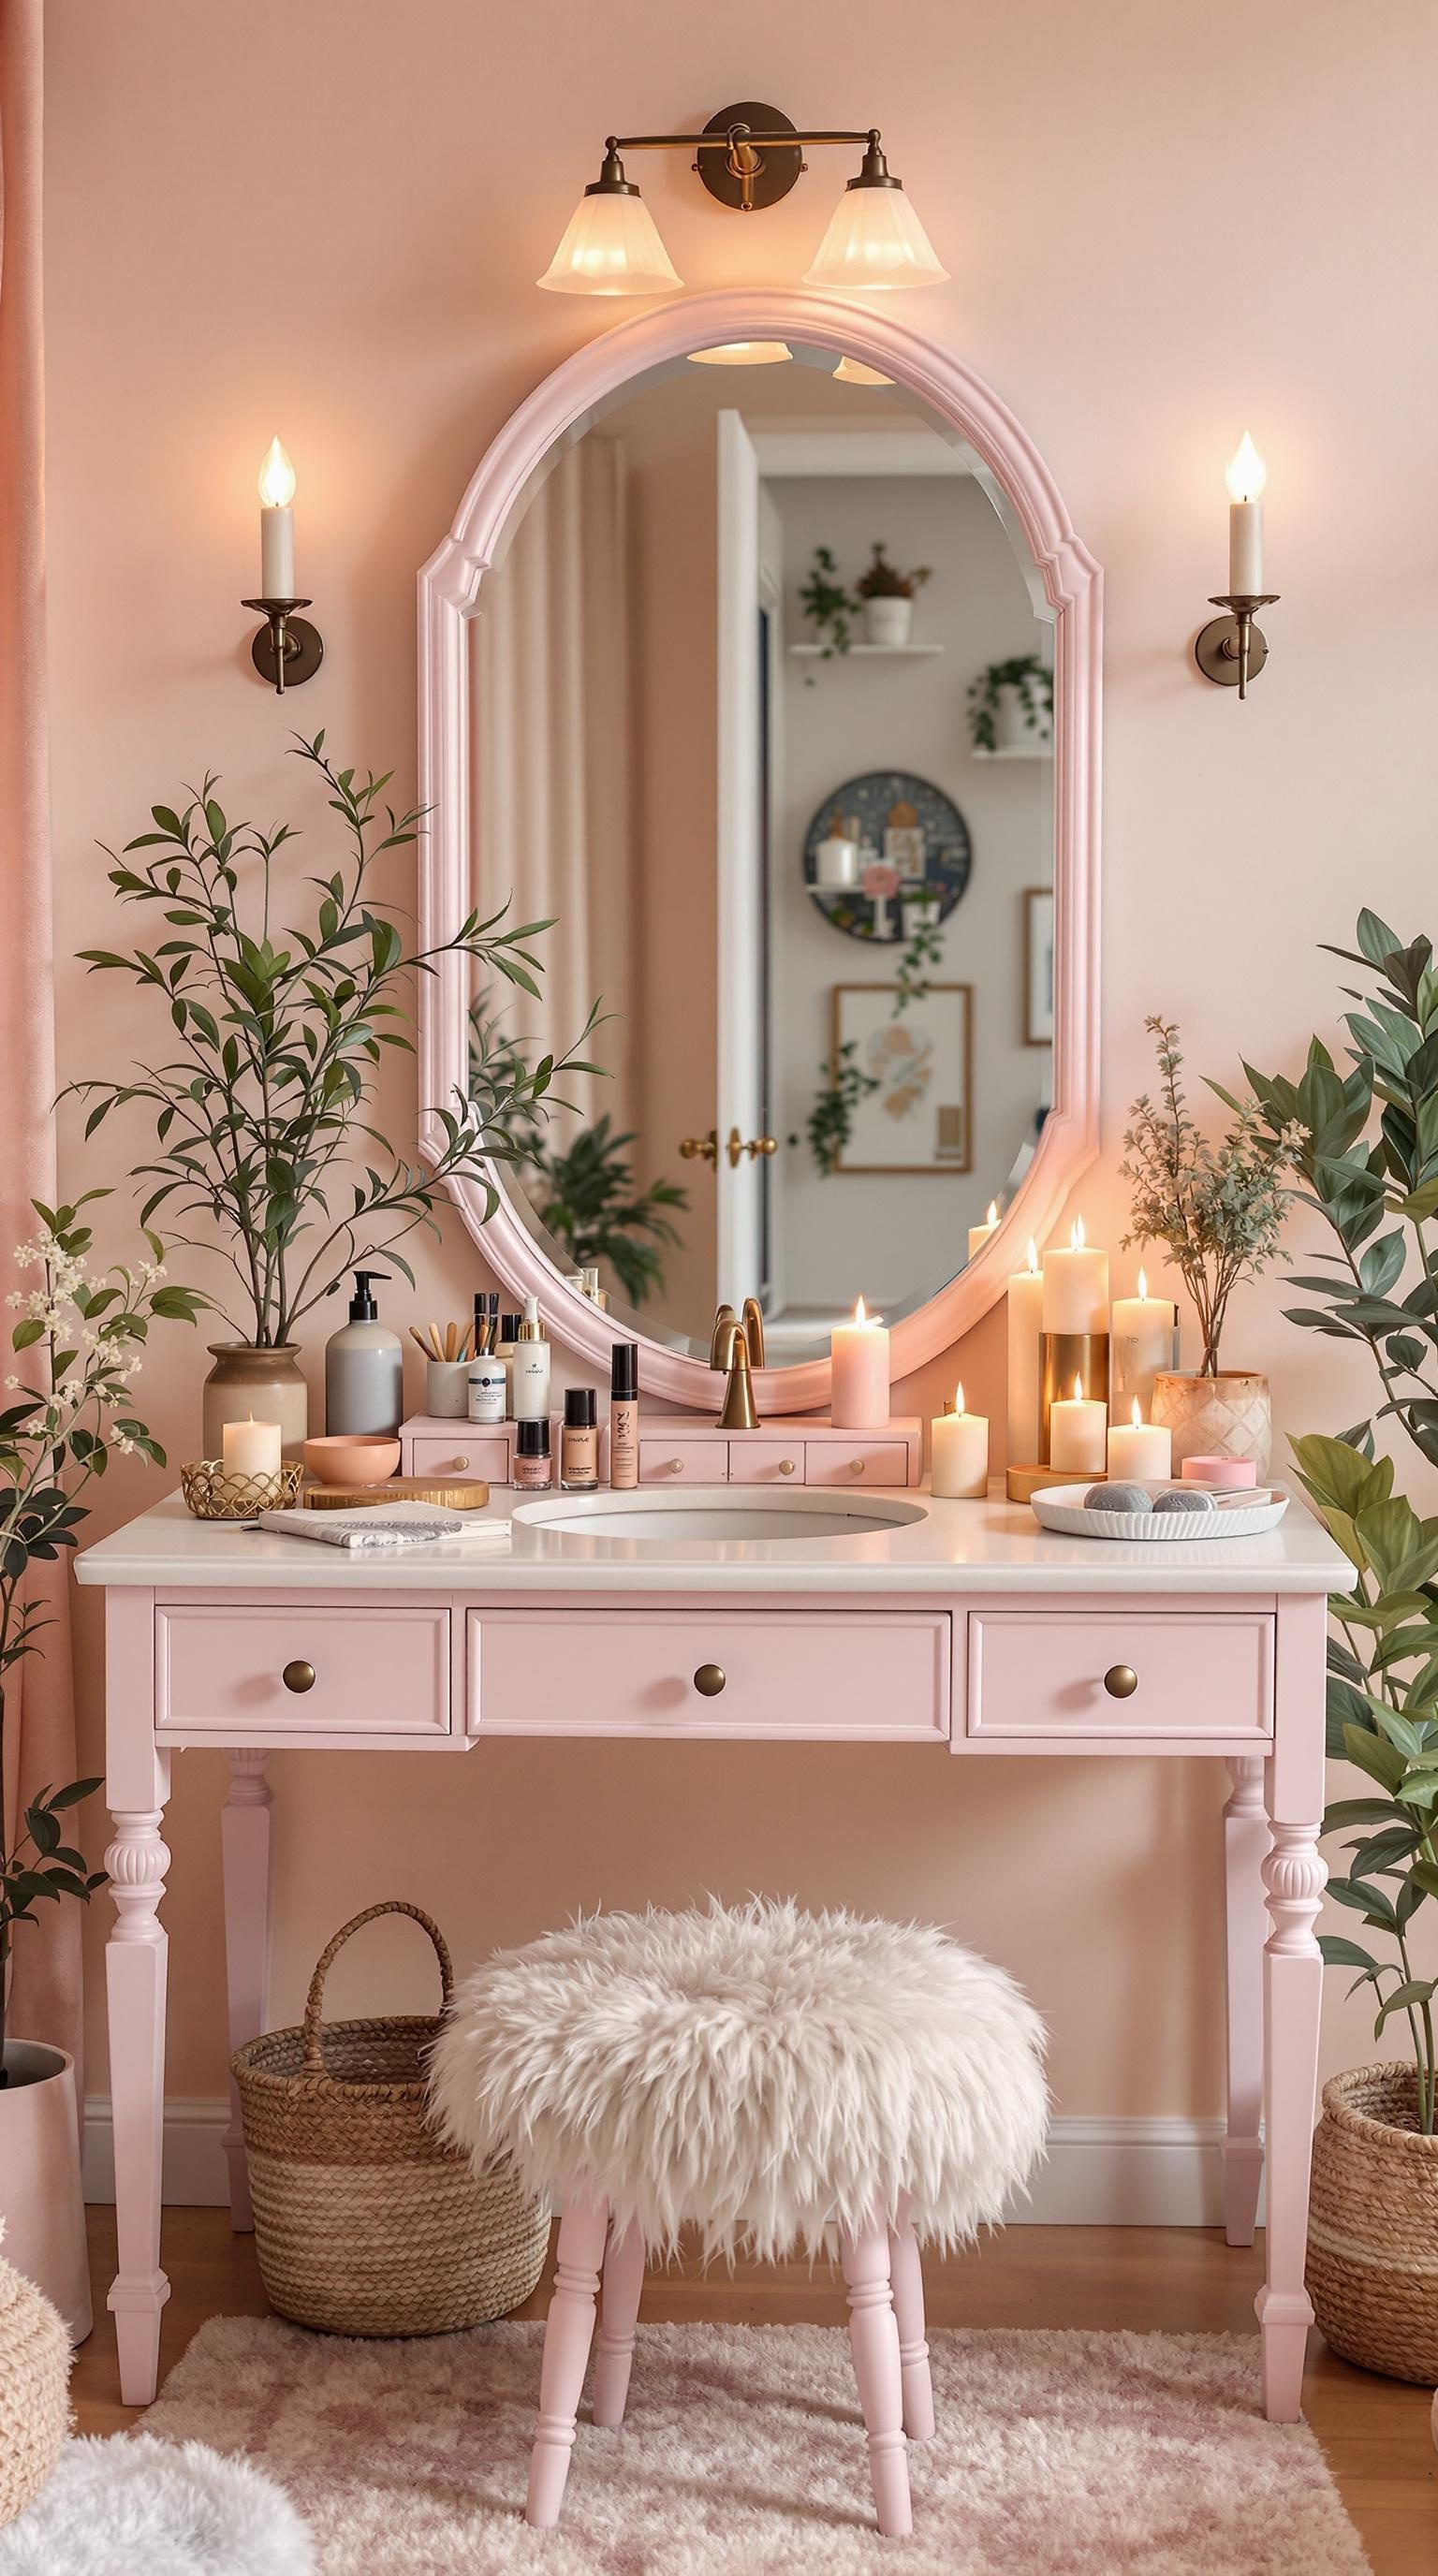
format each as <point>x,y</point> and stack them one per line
<point>748,157</point>
<point>287,650</point>
<point>1232,650</point>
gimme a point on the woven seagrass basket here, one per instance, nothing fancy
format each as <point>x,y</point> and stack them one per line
<point>366,2223</point>
<point>1373,2224</point>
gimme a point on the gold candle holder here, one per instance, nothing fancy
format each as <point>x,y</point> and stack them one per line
<point>1064,1357</point>
<point>213,1493</point>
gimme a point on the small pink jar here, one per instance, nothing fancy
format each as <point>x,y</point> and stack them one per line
<point>1227,1473</point>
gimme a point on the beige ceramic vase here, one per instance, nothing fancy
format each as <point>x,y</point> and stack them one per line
<point>34,2394</point>
<point>249,1384</point>
<point>41,2206</point>
<point>1229,1415</point>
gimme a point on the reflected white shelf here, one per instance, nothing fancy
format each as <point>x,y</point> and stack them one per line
<point>873,652</point>
<point>1016,751</point>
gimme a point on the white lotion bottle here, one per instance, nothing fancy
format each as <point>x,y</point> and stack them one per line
<point>529,1368</point>
<point>364,1368</point>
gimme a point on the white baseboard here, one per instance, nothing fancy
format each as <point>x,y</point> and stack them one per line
<point>1100,2172</point>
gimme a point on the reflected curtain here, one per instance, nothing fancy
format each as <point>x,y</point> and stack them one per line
<point>552,766</point>
<point>39,1704</point>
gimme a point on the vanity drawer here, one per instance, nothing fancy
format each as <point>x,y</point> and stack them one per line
<point>864,1462</point>
<point>1068,1677</point>
<point>220,1672</point>
<point>682,1462</point>
<point>766,1462</point>
<point>785,1674</point>
<point>470,1452</point>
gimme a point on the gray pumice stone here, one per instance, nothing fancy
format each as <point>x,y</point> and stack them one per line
<point>1180,1500</point>
<point>1117,1498</point>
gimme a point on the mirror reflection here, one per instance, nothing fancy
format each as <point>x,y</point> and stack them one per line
<point>761,716</point>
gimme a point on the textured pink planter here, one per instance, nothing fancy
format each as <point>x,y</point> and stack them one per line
<point>40,2198</point>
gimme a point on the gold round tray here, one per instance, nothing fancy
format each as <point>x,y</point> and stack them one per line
<point>214,1495</point>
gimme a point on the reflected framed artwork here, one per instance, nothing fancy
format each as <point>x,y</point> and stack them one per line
<point>1039,966</point>
<point>915,1113</point>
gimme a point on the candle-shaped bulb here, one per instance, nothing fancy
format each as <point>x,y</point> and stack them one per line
<point>1077,1237</point>
<point>277,478</point>
<point>1247,473</point>
<point>1143,1283</point>
<point>1033,1255</point>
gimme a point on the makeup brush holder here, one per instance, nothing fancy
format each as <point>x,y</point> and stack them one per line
<point>446,1388</point>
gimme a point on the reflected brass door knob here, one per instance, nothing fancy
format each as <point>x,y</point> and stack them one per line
<point>1120,1681</point>
<point>709,1680</point>
<point>737,1146</point>
<point>298,1677</point>
<point>704,1149</point>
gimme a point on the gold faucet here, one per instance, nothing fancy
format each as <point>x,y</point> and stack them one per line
<point>737,1345</point>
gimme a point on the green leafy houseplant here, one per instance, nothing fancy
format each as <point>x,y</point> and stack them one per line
<point>830,1122</point>
<point>262,1115</point>
<point>827,605</point>
<point>1364,1143</point>
<point>1218,1210</point>
<point>63,1419</point>
<point>882,580</point>
<point>1033,682</point>
<point>585,1194</point>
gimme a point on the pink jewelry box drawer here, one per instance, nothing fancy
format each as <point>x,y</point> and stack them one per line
<point>753,1461</point>
<point>471,1452</point>
<point>857,1462</point>
<point>224,1675</point>
<point>1120,1674</point>
<point>682,1462</point>
<point>722,1673</point>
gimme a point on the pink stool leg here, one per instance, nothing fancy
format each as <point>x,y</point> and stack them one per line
<point>907,2278</point>
<point>614,2343</point>
<point>568,2332</point>
<point>874,2338</point>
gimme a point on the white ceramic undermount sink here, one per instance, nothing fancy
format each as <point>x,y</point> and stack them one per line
<point>715,1513</point>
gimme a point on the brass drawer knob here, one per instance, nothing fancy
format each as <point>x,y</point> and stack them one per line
<point>856,1466</point>
<point>709,1680</point>
<point>786,1466</point>
<point>462,1460</point>
<point>676,1466</point>
<point>298,1677</point>
<point>1120,1681</point>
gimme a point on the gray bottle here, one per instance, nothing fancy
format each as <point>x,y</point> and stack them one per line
<point>364,1368</point>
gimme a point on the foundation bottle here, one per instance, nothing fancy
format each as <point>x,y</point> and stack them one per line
<point>503,1349</point>
<point>579,1442</point>
<point>529,1368</point>
<point>624,1417</point>
<point>533,1468</point>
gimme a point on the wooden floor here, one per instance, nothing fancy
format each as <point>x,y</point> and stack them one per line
<point>1375,2431</point>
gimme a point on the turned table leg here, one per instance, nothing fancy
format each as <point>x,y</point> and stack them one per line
<point>1293,1875</point>
<point>906,2275</point>
<point>874,2339</point>
<point>245,1854</point>
<point>614,2343</point>
<point>568,2333</point>
<point>1245,1848</point>
<point>137,1783</point>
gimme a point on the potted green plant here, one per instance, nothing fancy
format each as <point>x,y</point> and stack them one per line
<point>1011,706</point>
<point>66,1415</point>
<point>1218,1211</point>
<point>828,606</point>
<point>888,597</point>
<point>263,1112</point>
<point>1364,1143</point>
<point>830,1123</point>
<point>585,1193</point>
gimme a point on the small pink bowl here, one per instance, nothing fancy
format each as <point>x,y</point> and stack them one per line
<point>1227,1473</point>
<point>352,1458</point>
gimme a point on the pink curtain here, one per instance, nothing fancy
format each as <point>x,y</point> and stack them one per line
<point>39,1704</point>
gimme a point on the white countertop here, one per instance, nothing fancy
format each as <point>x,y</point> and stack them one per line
<point>956,1548</point>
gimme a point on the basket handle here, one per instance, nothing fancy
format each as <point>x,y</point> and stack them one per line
<point>314,2061</point>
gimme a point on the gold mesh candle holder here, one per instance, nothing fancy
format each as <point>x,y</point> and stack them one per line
<point>213,1493</point>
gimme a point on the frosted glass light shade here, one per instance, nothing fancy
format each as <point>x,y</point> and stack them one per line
<point>743,353</point>
<point>852,371</point>
<point>875,239</point>
<point>611,246</point>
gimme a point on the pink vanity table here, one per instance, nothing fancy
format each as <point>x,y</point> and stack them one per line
<point>962,1630</point>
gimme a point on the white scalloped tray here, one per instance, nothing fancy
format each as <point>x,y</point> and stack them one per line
<point>1055,1509</point>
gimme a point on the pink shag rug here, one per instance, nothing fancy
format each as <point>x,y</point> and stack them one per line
<point>1063,2454</point>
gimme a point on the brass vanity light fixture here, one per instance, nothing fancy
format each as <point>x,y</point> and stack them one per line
<point>1232,650</point>
<point>287,650</point>
<point>749,157</point>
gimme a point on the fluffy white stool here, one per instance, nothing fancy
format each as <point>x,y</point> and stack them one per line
<point>758,2074</point>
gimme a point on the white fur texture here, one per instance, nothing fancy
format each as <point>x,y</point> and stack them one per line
<point>755,2072</point>
<point>159,2509</point>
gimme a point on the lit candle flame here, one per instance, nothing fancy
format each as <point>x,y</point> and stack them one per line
<point>1247,473</point>
<point>1077,1237</point>
<point>1078,1386</point>
<point>863,1316</point>
<point>959,1397</point>
<point>993,1215</point>
<point>277,478</point>
<point>1136,1417</point>
<point>1033,1254</point>
<point>1143,1283</point>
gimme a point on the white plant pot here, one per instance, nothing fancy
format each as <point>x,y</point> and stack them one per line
<point>887,621</point>
<point>1012,730</point>
<point>40,2196</point>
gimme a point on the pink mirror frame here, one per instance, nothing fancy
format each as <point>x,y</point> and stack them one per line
<point>448,594</point>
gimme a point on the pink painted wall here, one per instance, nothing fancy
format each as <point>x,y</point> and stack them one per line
<point>1162,225</point>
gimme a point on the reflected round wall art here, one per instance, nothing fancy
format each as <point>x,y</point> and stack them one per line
<point>887,854</point>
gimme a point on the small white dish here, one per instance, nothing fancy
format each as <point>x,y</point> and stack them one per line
<point>1056,1509</point>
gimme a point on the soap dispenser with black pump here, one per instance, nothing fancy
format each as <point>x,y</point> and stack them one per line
<point>364,1367</point>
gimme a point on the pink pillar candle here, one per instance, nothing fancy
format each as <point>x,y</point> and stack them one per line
<point>859,1373</point>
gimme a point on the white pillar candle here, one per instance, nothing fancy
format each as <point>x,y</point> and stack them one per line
<point>1025,1324</point>
<point>979,1234</point>
<point>1245,478</point>
<point>1142,1344</point>
<point>1078,1429</point>
<point>859,1373</point>
<point>277,525</point>
<point>251,1448</point>
<point>836,862</point>
<point>1141,1450</point>
<point>1076,1287</point>
<point>959,1464</point>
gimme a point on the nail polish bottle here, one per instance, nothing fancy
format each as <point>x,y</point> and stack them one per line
<point>579,1442</point>
<point>533,1467</point>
